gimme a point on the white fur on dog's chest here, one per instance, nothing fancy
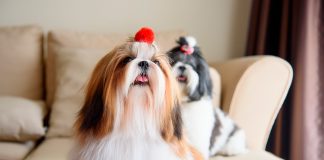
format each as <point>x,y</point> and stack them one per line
<point>199,119</point>
<point>132,148</point>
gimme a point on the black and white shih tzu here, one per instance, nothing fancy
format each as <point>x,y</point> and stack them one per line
<point>131,109</point>
<point>209,130</point>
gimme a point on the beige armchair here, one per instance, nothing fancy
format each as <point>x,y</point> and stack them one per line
<point>253,90</point>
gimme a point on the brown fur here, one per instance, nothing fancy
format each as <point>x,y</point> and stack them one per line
<point>104,85</point>
<point>196,154</point>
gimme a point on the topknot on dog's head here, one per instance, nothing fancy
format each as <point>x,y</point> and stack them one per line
<point>187,44</point>
<point>145,34</point>
<point>187,40</point>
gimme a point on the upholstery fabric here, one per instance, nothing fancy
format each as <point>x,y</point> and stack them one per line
<point>21,67</point>
<point>52,149</point>
<point>71,59</point>
<point>253,90</point>
<point>15,150</point>
<point>21,119</point>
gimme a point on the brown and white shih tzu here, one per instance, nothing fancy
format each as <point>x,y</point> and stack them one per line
<point>131,107</point>
<point>208,128</point>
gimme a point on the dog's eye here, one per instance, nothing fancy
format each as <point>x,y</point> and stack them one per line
<point>157,62</point>
<point>127,60</point>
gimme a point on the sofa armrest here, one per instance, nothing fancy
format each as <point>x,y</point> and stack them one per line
<point>253,90</point>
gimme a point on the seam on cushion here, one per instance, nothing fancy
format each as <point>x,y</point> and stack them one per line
<point>242,80</point>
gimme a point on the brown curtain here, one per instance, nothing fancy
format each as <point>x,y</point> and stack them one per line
<point>294,31</point>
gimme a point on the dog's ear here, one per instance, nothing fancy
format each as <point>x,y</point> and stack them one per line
<point>205,84</point>
<point>96,116</point>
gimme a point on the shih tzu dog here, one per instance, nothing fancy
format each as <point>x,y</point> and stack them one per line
<point>207,127</point>
<point>131,109</point>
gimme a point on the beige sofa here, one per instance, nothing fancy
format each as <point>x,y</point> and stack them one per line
<point>42,80</point>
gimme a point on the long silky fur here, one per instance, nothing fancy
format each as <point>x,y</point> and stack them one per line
<point>97,119</point>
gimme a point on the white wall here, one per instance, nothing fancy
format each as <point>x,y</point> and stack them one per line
<point>219,25</point>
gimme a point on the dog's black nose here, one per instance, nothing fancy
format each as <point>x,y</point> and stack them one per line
<point>182,68</point>
<point>144,65</point>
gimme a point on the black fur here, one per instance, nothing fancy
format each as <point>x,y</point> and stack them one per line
<point>177,122</point>
<point>199,65</point>
<point>216,131</point>
<point>182,41</point>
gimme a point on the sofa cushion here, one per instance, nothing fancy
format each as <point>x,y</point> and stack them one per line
<point>52,149</point>
<point>71,58</point>
<point>15,150</point>
<point>59,148</point>
<point>21,119</point>
<point>74,67</point>
<point>21,62</point>
<point>251,155</point>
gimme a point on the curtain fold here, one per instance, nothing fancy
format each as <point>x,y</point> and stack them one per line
<point>293,30</point>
